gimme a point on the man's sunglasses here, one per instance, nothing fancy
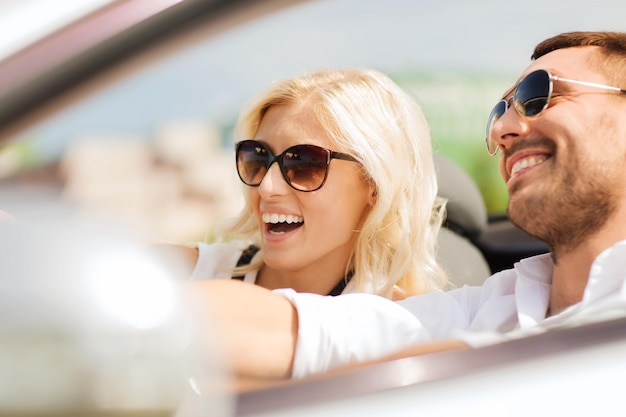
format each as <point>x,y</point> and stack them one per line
<point>531,97</point>
<point>304,167</point>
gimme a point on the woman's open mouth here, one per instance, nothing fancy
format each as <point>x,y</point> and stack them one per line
<point>281,223</point>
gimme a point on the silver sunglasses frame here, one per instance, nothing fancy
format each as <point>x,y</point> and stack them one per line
<point>520,110</point>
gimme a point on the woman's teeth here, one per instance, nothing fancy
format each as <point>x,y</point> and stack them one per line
<point>281,218</point>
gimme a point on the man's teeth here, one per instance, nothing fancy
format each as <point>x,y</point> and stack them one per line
<point>281,218</point>
<point>526,162</point>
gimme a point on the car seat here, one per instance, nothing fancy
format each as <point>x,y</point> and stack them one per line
<point>466,216</point>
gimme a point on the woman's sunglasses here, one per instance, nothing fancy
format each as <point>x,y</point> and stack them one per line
<point>531,97</point>
<point>304,167</point>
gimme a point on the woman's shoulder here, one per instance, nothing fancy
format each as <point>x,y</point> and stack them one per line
<point>193,252</point>
<point>217,259</point>
<point>227,246</point>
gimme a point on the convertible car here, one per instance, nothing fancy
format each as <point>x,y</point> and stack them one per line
<point>113,129</point>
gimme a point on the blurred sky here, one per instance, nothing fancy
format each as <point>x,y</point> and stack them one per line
<point>411,33</point>
<point>475,33</point>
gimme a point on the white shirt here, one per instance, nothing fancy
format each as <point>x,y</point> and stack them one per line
<point>335,331</point>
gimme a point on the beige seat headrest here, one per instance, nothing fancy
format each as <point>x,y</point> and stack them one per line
<point>466,211</point>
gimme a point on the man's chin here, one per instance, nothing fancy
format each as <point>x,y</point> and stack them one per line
<point>525,219</point>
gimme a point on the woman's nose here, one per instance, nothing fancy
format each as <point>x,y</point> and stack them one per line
<point>273,183</point>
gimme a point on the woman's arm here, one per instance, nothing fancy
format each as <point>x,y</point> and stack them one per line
<point>260,329</point>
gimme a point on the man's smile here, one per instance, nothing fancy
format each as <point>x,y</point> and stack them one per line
<point>527,162</point>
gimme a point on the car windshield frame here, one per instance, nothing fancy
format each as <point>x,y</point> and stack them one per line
<point>127,34</point>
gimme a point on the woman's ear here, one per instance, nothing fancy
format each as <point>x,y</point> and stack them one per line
<point>373,194</point>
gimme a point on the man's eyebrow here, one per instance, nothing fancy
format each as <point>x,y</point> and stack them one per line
<point>555,73</point>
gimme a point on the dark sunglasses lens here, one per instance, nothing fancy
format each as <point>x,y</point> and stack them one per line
<point>532,94</point>
<point>497,112</point>
<point>305,167</point>
<point>252,161</point>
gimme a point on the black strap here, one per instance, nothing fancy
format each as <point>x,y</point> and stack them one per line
<point>341,285</point>
<point>250,251</point>
<point>246,258</point>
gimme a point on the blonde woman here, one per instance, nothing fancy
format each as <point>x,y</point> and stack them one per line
<point>340,191</point>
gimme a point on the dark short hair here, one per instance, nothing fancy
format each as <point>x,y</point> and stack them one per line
<point>612,53</point>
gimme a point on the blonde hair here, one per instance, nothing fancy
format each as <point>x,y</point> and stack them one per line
<point>370,117</point>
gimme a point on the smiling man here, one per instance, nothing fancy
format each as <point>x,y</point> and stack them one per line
<point>562,155</point>
<point>561,133</point>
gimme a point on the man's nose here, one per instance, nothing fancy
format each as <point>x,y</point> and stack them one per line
<point>508,127</point>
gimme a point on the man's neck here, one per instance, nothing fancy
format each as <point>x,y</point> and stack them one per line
<point>571,270</point>
<point>569,279</point>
